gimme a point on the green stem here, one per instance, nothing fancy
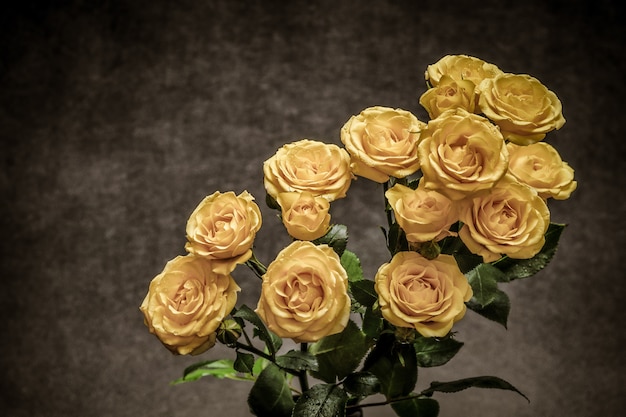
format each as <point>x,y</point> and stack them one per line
<point>388,210</point>
<point>256,266</point>
<point>302,375</point>
<point>252,349</point>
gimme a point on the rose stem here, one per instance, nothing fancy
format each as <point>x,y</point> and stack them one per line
<point>302,375</point>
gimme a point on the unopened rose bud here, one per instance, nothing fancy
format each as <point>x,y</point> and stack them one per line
<point>429,250</point>
<point>229,332</point>
<point>405,334</point>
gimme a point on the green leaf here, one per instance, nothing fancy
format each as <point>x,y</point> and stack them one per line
<point>272,341</point>
<point>432,351</point>
<point>322,400</point>
<point>474,382</point>
<point>296,360</point>
<point>362,384</point>
<point>416,407</point>
<point>372,322</point>
<point>352,265</point>
<point>271,202</point>
<point>244,362</point>
<point>259,365</point>
<point>363,292</point>
<point>336,238</point>
<point>497,310</point>
<point>467,261</point>
<point>395,366</point>
<point>484,282</point>
<point>523,268</point>
<point>338,355</point>
<point>413,183</point>
<point>453,245</point>
<point>270,395</point>
<point>223,368</point>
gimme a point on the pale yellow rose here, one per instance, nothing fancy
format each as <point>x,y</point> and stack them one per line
<point>382,142</point>
<point>423,214</point>
<point>449,94</point>
<point>510,219</point>
<point>222,228</point>
<point>186,303</point>
<point>427,295</point>
<point>305,216</point>
<point>304,295</point>
<point>461,153</point>
<point>461,67</point>
<point>540,166</point>
<point>307,165</point>
<point>524,108</point>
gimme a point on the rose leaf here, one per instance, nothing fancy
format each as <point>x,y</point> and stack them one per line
<point>352,265</point>
<point>363,292</point>
<point>296,360</point>
<point>223,368</point>
<point>322,400</point>
<point>422,407</point>
<point>336,238</point>
<point>497,310</point>
<point>372,322</point>
<point>524,268</point>
<point>272,341</point>
<point>339,354</point>
<point>362,384</point>
<point>484,282</point>
<point>270,395</point>
<point>395,366</point>
<point>473,382</point>
<point>244,362</point>
<point>432,351</point>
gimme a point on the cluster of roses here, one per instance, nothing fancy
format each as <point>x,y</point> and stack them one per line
<point>478,163</point>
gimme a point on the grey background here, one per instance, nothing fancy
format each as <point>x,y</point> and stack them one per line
<point>117,118</point>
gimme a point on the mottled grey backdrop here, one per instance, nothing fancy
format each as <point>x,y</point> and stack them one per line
<point>118,117</point>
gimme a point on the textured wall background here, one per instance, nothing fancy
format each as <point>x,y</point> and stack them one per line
<point>117,118</point>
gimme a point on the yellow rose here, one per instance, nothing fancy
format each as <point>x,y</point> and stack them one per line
<point>428,295</point>
<point>422,214</point>
<point>511,219</point>
<point>307,165</point>
<point>304,295</point>
<point>540,166</point>
<point>304,215</point>
<point>524,108</point>
<point>222,228</point>
<point>382,142</point>
<point>461,153</point>
<point>186,303</point>
<point>449,94</point>
<point>461,67</point>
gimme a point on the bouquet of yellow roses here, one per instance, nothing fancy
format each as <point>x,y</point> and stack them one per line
<point>466,206</point>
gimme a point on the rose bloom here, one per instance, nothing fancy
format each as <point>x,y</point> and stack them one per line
<point>461,153</point>
<point>307,165</point>
<point>461,67</point>
<point>187,302</point>
<point>449,94</point>
<point>427,295</point>
<point>540,166</point>
<point>382,142</point>
<point>422,214</point>
<point>305,217</point>
<point>222,228</point>
<point>524,108</point>
<point>511,219</point>
<point>304,295</point>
